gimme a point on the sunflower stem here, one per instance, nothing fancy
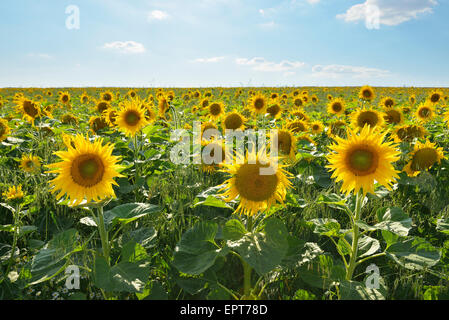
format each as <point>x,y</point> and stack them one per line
<point>103,234</point>
<point>16,215</point>
<point>355,237</point>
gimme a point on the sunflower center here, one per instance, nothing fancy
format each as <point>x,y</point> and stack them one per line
<point>233,121</point>
<point>435,98</point>
<point>132,118</point>
<point>362,161</point>
<point>284,142</point>
<point>87,170</point>
<point>65,98</point>
<point>367,118</point>
<point>274,110</point>
<point>259,103</point>
<point>30,108</point>
<point>424,112</point>
<point>389,103</point>
<point>253,186</point>
<point>29,164</point>
<point>107,97</point>
<point>102,106</point>
<point>215,109</point>
<point>366,94</point>
<point>393,116</point>
<point>424,159</point>
<point>298,102</point>
<point>337,107</point>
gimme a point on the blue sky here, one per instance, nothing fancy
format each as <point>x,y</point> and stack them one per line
<point>190,43</point>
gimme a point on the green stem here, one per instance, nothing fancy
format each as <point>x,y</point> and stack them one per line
<point>355,237</point>
<point>15,238</point>
<point>247,288</point>
<point>103,235</point>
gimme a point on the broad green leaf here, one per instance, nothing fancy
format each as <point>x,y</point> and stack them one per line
<point>443,225</point>
<point>196,252</point>
<point>128,213</point>
<point>234,230</point>
<point>326,227</point>
<point>212,201</point>
<point>353,290</point>
<point>414,253</point>
<point>263,250</point>
<point>133,252</point>
<point>130,277</point>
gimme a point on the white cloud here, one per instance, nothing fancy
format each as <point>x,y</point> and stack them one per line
<point>157,15</point>
<point>390,13</point>
<point>260,64</point>
<point>335,71</point>
<point>313,1</point>
<point>209,60</point>
<point>125,46</point>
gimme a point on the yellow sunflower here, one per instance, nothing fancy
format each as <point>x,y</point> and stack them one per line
<point>300,115</point>
<point>275,110</point>
<point>387,103</point>
<point>131,117</point>
<point>362,159</point>
<point>64,98</point>
<point>406,133</point>
<point>258,104</point>
<point>30,163</point>
<point>86,172</point>
<point>5,130</point>
<point>250,181</point>
<point>14,193</point>
<point>110,115</point>
<point>163,105</point>
<point>316,127</point>
<point>107,96</point>
<point>297,126</point>
<point>367,93</point>
<point>213,155</point>
<point>435,97</point>
<point>336,106</point>
<point>234,121</point>
<point>298,102</point>
<point>286,144</point>
<point>425,112</point>
<point>393,116</point>
<point>216,110</point>
<point>29,109</point>
<point>97,123</point>
<point>101,106</point>
<point>423,157</point>
<point>84,99</point>
<point>370,117</point>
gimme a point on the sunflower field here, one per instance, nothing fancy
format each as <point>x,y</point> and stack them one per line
<point>355,206</point>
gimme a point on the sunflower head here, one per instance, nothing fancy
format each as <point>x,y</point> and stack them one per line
<point>367,93</point>
<point>275,110</point>
<point>361,159</point>
<point>387,103</point>
<point>131,117</point>
<point>369,117</point>
<point>107,96</point>
<point>110,115</point>
<point>423,157</point>
<point>5,130</point>
<point>425,112</point>
<point>30,163</point>
<point>300,114</point>
<point>297,126</point>
<point>286,144</point>
<point>14,193</point>
<point>234,121</point>
<point>97,123</point>
<point>216,110</point>
<point>29,109</point>
<point>393,116</point>
<point>336,107</point>
<point>64,98</point>
<point>435,97</point>
<point>250,181</point>
<point>258,104</point>
<point>316,127</point>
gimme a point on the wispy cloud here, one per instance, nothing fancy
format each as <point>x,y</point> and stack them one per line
<point>390,13</point>
<point>158,15</point>
<point>209,60</point>
<point>261,64</point>
<point>129,47</point>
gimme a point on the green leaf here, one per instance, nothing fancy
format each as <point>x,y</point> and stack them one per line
<point>263,250</point>
<point>102,275</point>
<point>353,290</point>
<point>196,252</point>
<point>326,227</point>
<point>212,201</point>
<point>443,225</point>
<point>234,230</point>
<point>128,213</point>
<point>414,253</point>
<point>133,252</point>
<point>394,220</point>
<point>332,200</point>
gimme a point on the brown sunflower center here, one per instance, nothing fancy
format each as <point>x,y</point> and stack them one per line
<point>215,109</point>
<point>132,118</point>
<point>367,94</point>
<point>87,170</point>
<point>107,97</point>
<point>233,121</point>
<point>102,106</point>
<point>253,186</point>
<point>65,98</point>
<point>297,126</point>
<point>367,118</point>
<point>362,161</point>
<point>389,103</point>
<point>424,112</point>
<point>298,102</point>
<point>259,103</point>
<point>30,109</point>
<point>274,110</point>
<point>424,159</point>
<point>284,142</point>
<point>435,98</point>
<point>393,116</point>
<point>337,107</point>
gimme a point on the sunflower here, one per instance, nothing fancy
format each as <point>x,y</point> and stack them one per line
<point>150,114</point>
<point>29,109</point>
<point>425,112</point>
<point>132,94</point>
<point>216,110</point>
<point>30,163</point>
<point>86,172</point>
<point>336,106</point>
<point>97,123</point>
<point>204,103</point>
<point>64,98</point>
<point>298,102</point>
<point>387,103</point>
<point>5,130</point>
<point>314,99</point>
<point>14,193</point>
<point>329,97</point>
<point>316,127</point>
<point>110,115</point>
<point>69,119</point>
<point>131,118</point>
<point>407,133</point>
<point>163,106</point>
<point>234,121</point>
<point>393,116</point>
<point>101,106</point>
<point>423,157</point>
<point>213,155</point>
<point>258,104</point>
<point>275,110</point>
<point>367,93</point>
<point>362,159</point>
<point>297,126</point>
<point>107,96</point>
<point>300,114</point>
<point>207,126</point>
<point>249,181</point>
<point>369,117</point>
<point>435,97</point>
<point>412,99</point>
<point>286,144</point>
<point>84,99</point>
